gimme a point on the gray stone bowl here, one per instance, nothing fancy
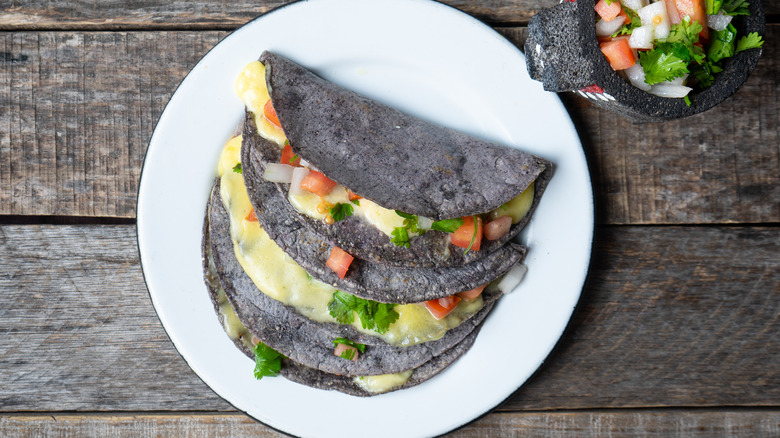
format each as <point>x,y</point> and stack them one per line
<point>563,53</point>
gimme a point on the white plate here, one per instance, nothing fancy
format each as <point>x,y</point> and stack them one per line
<point>429,60</point>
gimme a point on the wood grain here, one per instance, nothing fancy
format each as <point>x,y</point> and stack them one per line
<point>698,424</point>
<point>117,14</point>
<point>79,109</point>
<point>670,317</point>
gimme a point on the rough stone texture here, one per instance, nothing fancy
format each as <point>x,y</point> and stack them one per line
<point>564,54</point>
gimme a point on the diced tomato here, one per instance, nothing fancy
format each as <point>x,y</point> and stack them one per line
<point>497,228</point>
<point>592,89</point>
<point>618,53</point>
<point>442,307</point>
<point>471,294</point>
<point>317,183</point>
<point>251,217</point>
<point>672,12</point>
<point>696,10</point>
<point>341,348</point>
<point>353,196</point>
<point>270,113</point>
<point>290,157</point>
<point>608,10</point>
<point>467,233</point>
<point>339,261</point>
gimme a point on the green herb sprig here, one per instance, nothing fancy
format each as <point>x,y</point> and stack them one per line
<point>268,362</point>
<point>411,224</point>
<point>373,315</point>
<point>341,211</point>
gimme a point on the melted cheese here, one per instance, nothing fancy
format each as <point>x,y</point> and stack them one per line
<point>382,383</point>
<point>517,207</point>
<point>278,276</point>
<point>251,88</point>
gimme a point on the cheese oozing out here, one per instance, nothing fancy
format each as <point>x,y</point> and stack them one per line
<point>277,275</point>
<point>251,88</point>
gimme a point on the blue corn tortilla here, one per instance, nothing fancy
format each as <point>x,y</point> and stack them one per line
<point>307,342</point>
<point>396,160</point>
<point>370,280</point>
<point>308,376</point>
<point>355,236</point>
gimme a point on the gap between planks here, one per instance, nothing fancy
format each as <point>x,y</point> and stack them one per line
<point>560,424</point>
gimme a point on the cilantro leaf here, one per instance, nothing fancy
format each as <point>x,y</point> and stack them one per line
<point>238,169</point>
<point>751,41</point>
<point>348,354</point>
<point>685,32</point>
<point>735,7</point>
<point>722,45</point>
<point>473,236</point>
<point>373,315</point>
<point>405,215</point>
<point>400,237</point>
<point>448,225</point>
<point>345,341</point>
<point>704,74</point>
<point>341,211</point>
<point>628,28</point>
<point>356,202</point>
<point>341,306</point>
<point>268,361</point>
<point>664,63</point>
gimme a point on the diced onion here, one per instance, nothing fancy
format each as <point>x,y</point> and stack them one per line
<point>295,183</point>
<point>655,15</point>
<point>634,5</point>
<point>641,38</point>
<point>668,90</point>
<point>636,74</point>
<point>424,223</point>
<point>278,173</point>
<point>719,22</point>
<point>512,278</point>
<point>607,28</point>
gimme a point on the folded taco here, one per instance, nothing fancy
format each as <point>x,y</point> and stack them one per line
<point>382,185</point>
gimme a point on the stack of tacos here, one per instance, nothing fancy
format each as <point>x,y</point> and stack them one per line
<point>349,246</point>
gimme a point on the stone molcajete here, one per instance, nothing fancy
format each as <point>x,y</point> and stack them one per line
<point>563,53</point>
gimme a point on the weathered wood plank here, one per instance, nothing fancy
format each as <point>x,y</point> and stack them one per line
<point>579,424</point>
<point>79,109</point>
<point>666,320</point>
<point>117,14</point>
<point>670,317</point>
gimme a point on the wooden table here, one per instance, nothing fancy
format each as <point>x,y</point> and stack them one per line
<point>677,331</point>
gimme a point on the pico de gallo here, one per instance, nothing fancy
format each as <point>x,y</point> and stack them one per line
<point>671,47</point>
